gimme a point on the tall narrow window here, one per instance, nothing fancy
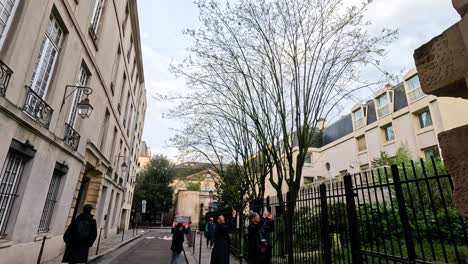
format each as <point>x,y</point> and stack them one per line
<point>51,200</point>
<point>126,109</point>
<point>7,7</point>
<point>133,69</point>
<point>104,131</point>
<point>124,22</point>
<point>82,80</point>
<point>124,83</point>
<point>9,180</point>
<point>116,208</point>
<point>115,69</point>
<point>114,138</point>
<point>47,57</point>
<point>130,48</point>
<point>95,21</point>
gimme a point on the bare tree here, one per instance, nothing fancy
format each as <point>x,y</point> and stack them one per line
<point>274,68</point>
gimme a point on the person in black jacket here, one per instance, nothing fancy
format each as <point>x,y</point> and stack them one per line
<point>259,238</point>
<point>79,237</point>
<point>177,246</point>
<point>220,253</point>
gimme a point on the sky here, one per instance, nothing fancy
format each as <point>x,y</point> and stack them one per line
<point>162,23</point>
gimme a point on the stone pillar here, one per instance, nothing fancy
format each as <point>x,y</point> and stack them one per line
<point>442,65</point>
<point>454,145</point>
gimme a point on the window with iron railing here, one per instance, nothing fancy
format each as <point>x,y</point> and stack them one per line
<point>35,104</point>
<point>47,57</point>
<point>415,91</point>
<point>10,178</point>
<point>51,200</point>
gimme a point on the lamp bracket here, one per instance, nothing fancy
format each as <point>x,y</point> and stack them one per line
<point>86,90</point>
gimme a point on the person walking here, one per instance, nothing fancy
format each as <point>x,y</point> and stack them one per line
<point>177,246</point>
<point>79,237</point>
<point>210,229</point>
<point>220,253</point>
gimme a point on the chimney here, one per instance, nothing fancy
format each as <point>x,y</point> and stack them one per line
<point>321,123</point>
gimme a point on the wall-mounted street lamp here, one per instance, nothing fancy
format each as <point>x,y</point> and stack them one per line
<point>84,107</point>
<point>124,165</point>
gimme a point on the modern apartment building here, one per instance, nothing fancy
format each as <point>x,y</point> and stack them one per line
<point>396,116</point>
<point>72,107</point>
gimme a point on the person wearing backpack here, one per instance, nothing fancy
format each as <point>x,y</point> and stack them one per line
<point>79,237</point>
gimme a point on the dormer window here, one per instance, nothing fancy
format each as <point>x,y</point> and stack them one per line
<point>359,117</point>
<point>415,91</point>
<point>383,105</point>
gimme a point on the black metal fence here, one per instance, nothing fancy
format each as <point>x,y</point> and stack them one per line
<point>397,214</point>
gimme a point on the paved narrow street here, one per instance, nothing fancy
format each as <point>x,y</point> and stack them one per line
<point>154,247</point>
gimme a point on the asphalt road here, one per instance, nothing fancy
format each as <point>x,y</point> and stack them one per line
<point>154,247</point>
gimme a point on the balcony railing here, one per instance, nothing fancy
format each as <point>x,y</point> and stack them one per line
<point>358,123</point>
<point>37,108</point>
<point>5,75</point>
<point>71,137</point>
<point>383,111</point>
<point>415,94</point>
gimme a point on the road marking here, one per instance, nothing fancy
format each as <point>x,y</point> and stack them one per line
<point>165,238</point>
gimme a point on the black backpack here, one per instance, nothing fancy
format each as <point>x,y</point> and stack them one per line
<point>82,230</point>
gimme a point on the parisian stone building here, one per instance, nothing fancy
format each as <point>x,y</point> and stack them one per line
<point>72,108</point>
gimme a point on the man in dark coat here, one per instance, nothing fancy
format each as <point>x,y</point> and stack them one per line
<point>210,229</point>
<point>177,246</point>
<point>79,237</point>
<point>220,253</point>
<point>259,238</point>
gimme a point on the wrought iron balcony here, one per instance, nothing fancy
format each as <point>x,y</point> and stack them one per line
<point>37,108</point>
<point>5,75</point>
<point>71,137</point>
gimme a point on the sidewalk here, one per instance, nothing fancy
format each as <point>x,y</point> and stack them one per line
<point>205,252</point>
<point>106,245</point>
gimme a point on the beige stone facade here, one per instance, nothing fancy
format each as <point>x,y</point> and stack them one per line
<point>395,116</point>
<point>187,201</point>
<point>52,160</point>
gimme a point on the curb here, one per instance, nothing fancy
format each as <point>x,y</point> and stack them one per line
<point>95,258</point>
